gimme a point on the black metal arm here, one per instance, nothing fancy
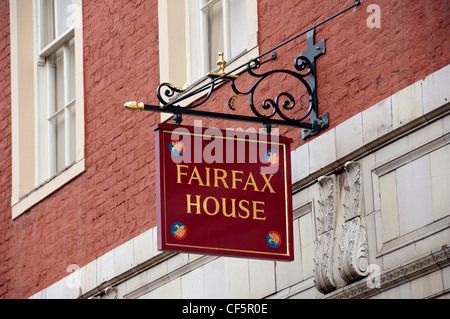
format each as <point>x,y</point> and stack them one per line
<point>274,107</point>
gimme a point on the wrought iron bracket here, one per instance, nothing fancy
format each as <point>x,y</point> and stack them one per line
<point>313,51</point>
<point>272,111</point>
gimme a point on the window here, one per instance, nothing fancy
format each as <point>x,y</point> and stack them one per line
<point>55,87</point>
<point>214,26</point>
<point>211,26</point>
<point>47,98</point>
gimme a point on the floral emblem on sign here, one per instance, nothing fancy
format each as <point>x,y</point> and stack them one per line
<point>178,230</point>
<point>273,239</point>
<point>176,148</point>
<point>271,157</point>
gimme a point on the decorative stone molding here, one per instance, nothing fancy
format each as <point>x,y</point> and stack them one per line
<point>420,267</point>
<point>327,204</point>
<point>323,255</point>
<point>108,293</point>
<point>352,205</point>
<point>323,263</point>
<point>346,245</point>
<point>353,261</point>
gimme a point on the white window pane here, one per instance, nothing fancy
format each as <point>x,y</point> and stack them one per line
<point>59,83</point>
<point>238,26</point>
<point>215,36</point>
<point>65,15</point>
<point>60,142</point>
<point>56,130</point>
<point>196,65</point>
<point>42,127</point>
<point>47,22</point>
<point>214,26</point>
<point>73,134</point>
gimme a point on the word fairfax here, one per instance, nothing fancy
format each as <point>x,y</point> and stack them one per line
<point>235,178</point>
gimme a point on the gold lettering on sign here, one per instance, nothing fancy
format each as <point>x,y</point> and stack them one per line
<point>257,210</point>
<point>229,207</point>
<point>196,204</point>
<point>235,179</point>
<point>267,183</point>
<point>195,175</point>
<point>221,178</point>
<point>251,181</point>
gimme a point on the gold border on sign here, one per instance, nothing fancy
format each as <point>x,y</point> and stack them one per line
<point>287,254</point>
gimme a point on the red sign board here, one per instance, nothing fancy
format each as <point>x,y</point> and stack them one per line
<point>223,192</point>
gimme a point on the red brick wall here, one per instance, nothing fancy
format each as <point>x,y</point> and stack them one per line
<point>114,200</point>
<point>6,231</point>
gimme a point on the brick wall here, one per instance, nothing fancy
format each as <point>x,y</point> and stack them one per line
<point>6,231</point>
<point>114,200</point>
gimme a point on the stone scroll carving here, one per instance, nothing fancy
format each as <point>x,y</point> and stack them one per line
<point>353,263</point>
<point>323,254</point>
<point>344,245</point>
<point>352,204</point>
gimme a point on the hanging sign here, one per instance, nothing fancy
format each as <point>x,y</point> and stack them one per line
<point>223,192</point>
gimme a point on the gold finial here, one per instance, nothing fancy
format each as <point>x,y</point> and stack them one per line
<point>221,63</point>
<point>134,106</point>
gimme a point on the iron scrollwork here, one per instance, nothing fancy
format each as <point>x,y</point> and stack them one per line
<point>276,106</point>
<point>284,101</point>
<point>272,110</point>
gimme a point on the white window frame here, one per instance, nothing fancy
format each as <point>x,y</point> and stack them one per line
<point>46,108</point>
<point>24,197</point>
<point>200,60</point>
<point>174,51</point>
